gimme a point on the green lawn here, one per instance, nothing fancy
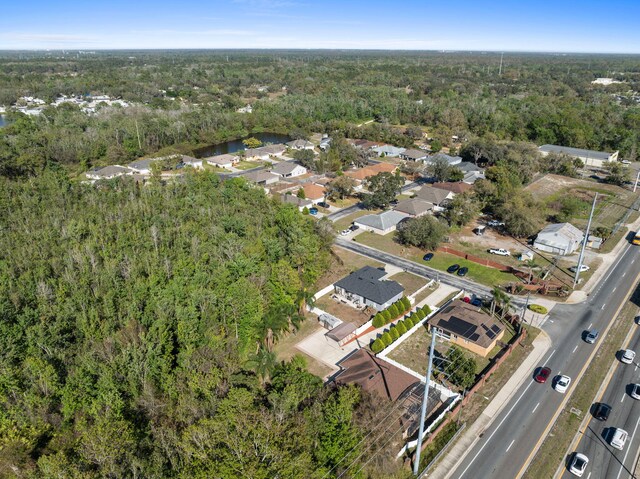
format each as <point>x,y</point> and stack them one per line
<point>247,165</point>
<point>344,223</point>
<point>409,281</point>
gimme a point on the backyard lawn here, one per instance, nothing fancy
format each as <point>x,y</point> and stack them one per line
<point>411,282</point>
<point>247,165</point>
<point>344,223</point>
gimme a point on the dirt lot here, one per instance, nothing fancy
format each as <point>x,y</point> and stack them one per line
<point>343,311</point>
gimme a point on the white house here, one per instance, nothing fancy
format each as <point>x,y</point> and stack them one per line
<point>264,152</point>
<point>108,172</point>
<point>222,161</point>
<point>588,157</point>
<point>300,203</point>
<point>193,162</point>
<point>300,145</point>
<point>261,177</point>
<point>365,287</point>
<point>143,167</point>
<point>559,238</point>
<point>413,154</point>
<point>452,160</point>
<point>382,223</point>
<point>288,169</point>
<point>388,150</point>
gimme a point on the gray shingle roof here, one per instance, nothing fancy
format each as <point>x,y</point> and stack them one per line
<point>414,154</point>
<point>294,200</point>
<point>414,206</point>
<point>221,159</point>
<point>284,168</point>
<point>579,152</point>
<point>299,144</point>
<point>432,195</point>
<point>366,283</point>
<point>111,170</point>
<point>566,230</point>
<point>467,166</point>
<point>382,221</point>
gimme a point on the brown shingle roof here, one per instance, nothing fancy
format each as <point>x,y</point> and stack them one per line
<point>371,170</point>
<point>466,321</point>
<point>374,375</point>
<point>313,192</point>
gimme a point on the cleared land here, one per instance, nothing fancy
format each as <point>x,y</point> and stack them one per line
<point>343,262</point>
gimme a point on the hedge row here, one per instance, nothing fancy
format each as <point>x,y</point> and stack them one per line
<point>399,329</point>
<point>399,308</point>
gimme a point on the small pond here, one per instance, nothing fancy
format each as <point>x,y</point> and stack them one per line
<point>3,121</point>
<point>237,145</point>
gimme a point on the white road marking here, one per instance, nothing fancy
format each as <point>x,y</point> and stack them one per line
<point>590,326</point>
<point>552,353</point>
<point>497,428</point>
<point>628,449</point>
<point>622,398</point>
<point>623,274</point>
<point>614,289</point>
<point>589,475</point>
<point>510,445</point>
<point>603,305</point>
<point>614,267</point>
<point>534,409</point>
<point>574,349</point>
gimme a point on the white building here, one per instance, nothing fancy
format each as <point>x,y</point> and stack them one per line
<point>108,172</point>
<point>559,238</point>
<point>288,169</point>
<point>382,223</point>
<point>222,161</point>
<point>588,157</point>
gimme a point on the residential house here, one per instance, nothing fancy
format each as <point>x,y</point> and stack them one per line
<point>325,143</point>
<point>559,238</point>
<point>381,223</point>
<point>375,375</point>
<point>366,287</point>
<point>455,187</point>
<point>388,150</point>
<point>471,171</point>
<point>467,326</point>
<point>588,157</point>
<point>108,172</point>
<point>371,170</point>
<point>414,207</point>
<point>264,152</point>
<point>314,193</point>
<point>288,169</point>
<point>413,154</point>
<point>261,177</point>
<point>436,196</point>
<point>222,161</point>
<point>143,167</point>
<point>300,145</point>
<point>192,162</point>
<point>365,144</point>
<point>300,203</point>
<point>452,160</point>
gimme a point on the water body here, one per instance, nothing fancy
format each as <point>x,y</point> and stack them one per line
<point>237,145</point>
<point>3,121</point>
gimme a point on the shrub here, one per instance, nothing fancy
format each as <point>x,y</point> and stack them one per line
<point>393,311</point>
<point>536,308</point>
<point>305,210</point>
<point>377,346</point>
<point>395,334</point>
<point>386,339</point>
<point>401,328</point>
<point>386,315</point>
<point>409,323</point>
<point>426,309</point>
<point>407,304</point>
<point>420,314</point>
<point>378,321</point>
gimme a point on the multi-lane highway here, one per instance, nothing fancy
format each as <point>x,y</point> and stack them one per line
<point>604,460</point>
<point>509,443</point>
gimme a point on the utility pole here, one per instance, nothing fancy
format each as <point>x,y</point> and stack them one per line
<point>584,242</point>
<point>635,186</point>
<point>416,464</point>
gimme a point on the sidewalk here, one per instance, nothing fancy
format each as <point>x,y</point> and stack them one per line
<point>456,454</point>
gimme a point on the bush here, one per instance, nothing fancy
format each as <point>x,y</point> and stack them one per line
<point>406,303</point>
<point>395,334</point>
<point>386,315</point>
<point>409,323</point>
<point>378,321</point>
<point>305,210</point>
<point>401,328</point>
<point>386,339</point>
<point>420,314</point>
<point>393,311</point>
<point>426,309</point>
<point>377,346</point>
<point>536,308</point>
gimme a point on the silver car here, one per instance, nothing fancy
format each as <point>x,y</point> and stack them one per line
<point>578,464</point>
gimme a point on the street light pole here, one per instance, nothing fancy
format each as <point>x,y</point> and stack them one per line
<point>423,413</point>
<point>584,243</point>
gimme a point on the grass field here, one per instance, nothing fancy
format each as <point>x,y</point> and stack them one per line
<point>344,223</point>
<point>247,165</point>
<point>411,282</point>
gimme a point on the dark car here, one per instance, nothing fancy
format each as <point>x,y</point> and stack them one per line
<point>462,271</point>
<point>313,211</point>
<point>428,257</point>
<point>322,204</point>
<point>542,375</point>
<point>602,411</point>
<point>354,227</point>
<point>476,301</point>
<point>453,268</point>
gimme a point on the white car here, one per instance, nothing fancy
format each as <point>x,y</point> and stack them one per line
<point>562,383</point>
<point>578,464</point>
<point>500,251</point>
<point>627,356</point>
<point>635,391</point>
<point>345,232</point>
<point>495,223</point>
<point>619,438</point>
<point>583,268</point>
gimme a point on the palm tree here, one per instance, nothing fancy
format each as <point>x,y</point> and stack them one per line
<point>497,295</point>
<point>306,300</point>
<point>531,263</point>
<point>263,363</point>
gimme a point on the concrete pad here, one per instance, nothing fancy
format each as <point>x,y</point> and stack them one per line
<point>325,350</point>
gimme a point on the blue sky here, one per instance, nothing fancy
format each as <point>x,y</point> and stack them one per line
<point>504,25</point>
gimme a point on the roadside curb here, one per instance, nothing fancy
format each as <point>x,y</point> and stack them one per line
<point>466,442</point>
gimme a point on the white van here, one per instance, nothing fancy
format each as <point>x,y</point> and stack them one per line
<point>619,438</point>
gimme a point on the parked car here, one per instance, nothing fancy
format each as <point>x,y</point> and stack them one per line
<point>542,375</point>
<point>463,271</point>
<point>578,464</point>
<point>627,356</point>
<point>428,257</point>
<point>602,411</point>
<point>591,336</point>
<point>453,268</point>
<point>583,268</point>
<point>313,211</point>
<point>323,204</point>
<point>637,320</point>
<point>345,232</point>
<point>354,227</point>
<point>618,438</point>
<point>500,251</point>
<point>635,391</point>
<point>562,383</point>
<point>475,301</point>
<point>495,223</point>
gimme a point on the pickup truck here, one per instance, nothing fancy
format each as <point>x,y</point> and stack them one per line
<point>500,251</point>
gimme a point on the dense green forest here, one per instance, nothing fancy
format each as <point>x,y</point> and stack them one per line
<point>185,99</point>
<point>137,332</point>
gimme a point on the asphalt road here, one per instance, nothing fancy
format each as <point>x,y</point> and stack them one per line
<point>604,460</point>
<point>506,445</point>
